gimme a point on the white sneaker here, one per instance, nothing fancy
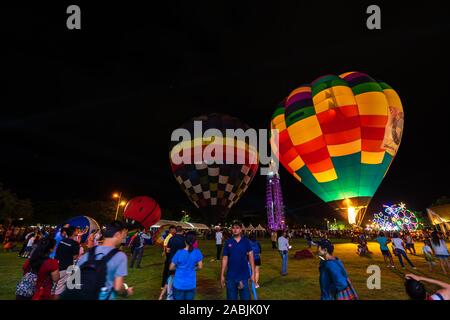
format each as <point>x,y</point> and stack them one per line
<point>256,286</point>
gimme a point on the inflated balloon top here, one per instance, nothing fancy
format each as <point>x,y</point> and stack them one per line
<point>143,210</point>
<point>212,186</point>
<point>84,223</point>
<point>338,136</point>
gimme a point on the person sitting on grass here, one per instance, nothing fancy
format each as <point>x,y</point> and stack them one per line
<point>334,281</point>
<point>416,290</point>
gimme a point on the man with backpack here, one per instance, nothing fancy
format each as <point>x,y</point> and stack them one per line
<point>102,269</point>
<point>137,247</point>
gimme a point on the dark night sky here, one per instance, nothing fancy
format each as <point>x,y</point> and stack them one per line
<point>84,113</point>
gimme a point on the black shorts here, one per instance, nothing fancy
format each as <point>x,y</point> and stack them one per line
<point>386,253</point>
<point>257,262</point>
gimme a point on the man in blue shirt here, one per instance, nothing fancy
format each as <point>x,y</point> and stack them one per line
<point>237,253</point>
<point>117,266</point>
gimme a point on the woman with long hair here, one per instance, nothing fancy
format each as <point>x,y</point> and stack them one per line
<point>440,251</point>
<point>46,269</point>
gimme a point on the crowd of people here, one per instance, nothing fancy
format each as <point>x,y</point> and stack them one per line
<point>53,256</point>
<point>434,248</point>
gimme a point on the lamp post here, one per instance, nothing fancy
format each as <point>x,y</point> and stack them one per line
<point>120,203</point>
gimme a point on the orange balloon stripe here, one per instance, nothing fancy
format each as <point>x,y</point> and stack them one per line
<point>321,166</point>
<point>311,146</point>
<point>289,156</point>
<point>315,156</point>
<point>344,136</point>
<point>337,123</point>
<point>371,145</point>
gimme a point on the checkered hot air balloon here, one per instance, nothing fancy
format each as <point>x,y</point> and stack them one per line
<point>338,136</point>
<point>212,184</point>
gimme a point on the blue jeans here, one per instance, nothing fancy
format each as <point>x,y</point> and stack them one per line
<point>233,291</point>
<point>284,261</point>
<point>400,254</point>
<point>137,257</point>
<point>183,294</point>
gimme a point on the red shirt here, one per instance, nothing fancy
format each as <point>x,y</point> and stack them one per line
<point>44,281</point>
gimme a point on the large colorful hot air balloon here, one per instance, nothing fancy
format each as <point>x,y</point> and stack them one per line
<point>338,136</point>
<point>84,223</point>
<point>143,210</point>
<point>212,185</point>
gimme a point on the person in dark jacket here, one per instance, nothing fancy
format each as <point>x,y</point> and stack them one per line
<point>334,281</point>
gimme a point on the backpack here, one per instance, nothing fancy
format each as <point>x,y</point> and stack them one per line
<point>27,286</point>
<point>135,242</point>
<point>93,277</point>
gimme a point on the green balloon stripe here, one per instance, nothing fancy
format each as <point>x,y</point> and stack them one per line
<point>366,87</point>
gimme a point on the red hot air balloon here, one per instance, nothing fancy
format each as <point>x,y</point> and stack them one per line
<point>143,210</point>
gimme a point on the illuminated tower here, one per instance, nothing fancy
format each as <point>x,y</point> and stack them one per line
<point>274,201</point>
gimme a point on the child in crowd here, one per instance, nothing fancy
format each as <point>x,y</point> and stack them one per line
<point>168,288</point>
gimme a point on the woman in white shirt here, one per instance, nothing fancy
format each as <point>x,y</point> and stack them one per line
<point>399,250</point>
<point>440,251</point>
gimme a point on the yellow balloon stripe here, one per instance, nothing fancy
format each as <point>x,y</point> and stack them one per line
<point>344,149</point>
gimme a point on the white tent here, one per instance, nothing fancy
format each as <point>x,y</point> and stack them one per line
<point>438,220</point>
<point>184,225</point>
<point>260,228</point>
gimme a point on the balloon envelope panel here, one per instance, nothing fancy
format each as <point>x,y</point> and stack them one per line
<point>144,210</point>
<point>212,184</point>
<point>339,135</point>
<point>82,222</point>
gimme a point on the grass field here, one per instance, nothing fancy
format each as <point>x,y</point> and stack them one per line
<point>300,284</point>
